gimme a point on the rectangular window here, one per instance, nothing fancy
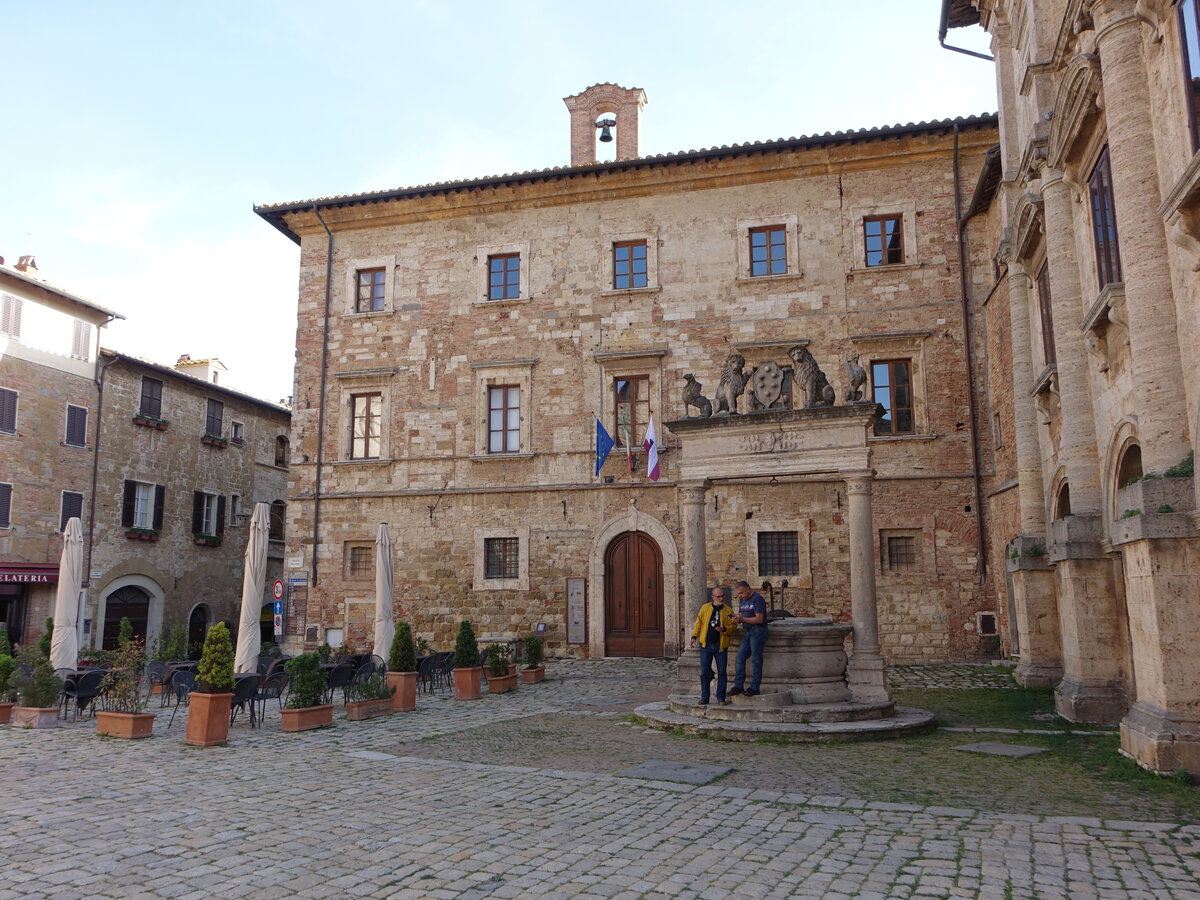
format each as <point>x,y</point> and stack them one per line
<point>367,416</point>
<point>1104,222</point>
<point>10,315</point>
<point>900,552</point>
<point>370,296</point>
<point>1189,38</point>
<point>143,505</point>
<point>76,426</point>
<point>778,553</point>
<point>504,419</point>
<point>1047,316</point>
<point>5,505</point>
<point>214,419</point>
<point>361,562</point>
<point>70,508</point>
<point>884,240</point>
<point>151,402</point>
<point>892,383</point>
<point>205,513</point>
<point>631,395</point>
<point>237,433</point>
<point>629,265</point>
<point>81,340</point>
<point>768,250</point>
<point>502,556</point>
<point>235,506</point>
<point>8,411</point>
<point>504,276</point>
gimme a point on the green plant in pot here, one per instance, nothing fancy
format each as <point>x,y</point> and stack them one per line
<point>306,709</point>
<point>370,697</point>
<point>534,671</point>
<point>402,669</point>
<point>210,702</point>
<point>8,665</point>
<point>468,674</point>
<point>37,691</point>
<point>124,714</point>
<point>499,679</point>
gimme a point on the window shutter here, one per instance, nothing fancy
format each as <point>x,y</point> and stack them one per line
<point>159,493</point>
<point>72,508</point>
<point>5,505</point>
<point>8,410</point>
<point>10,315</point>
<point>151,403</point>
<point>81,340</point>
<point>127,504</point>
<point>76,426</point>
<point>197,512</point>
<point>220,515</point>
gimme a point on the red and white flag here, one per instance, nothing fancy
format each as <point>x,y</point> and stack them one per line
<point>650,445</point>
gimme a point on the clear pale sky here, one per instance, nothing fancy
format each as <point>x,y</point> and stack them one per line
<point>139,135</point>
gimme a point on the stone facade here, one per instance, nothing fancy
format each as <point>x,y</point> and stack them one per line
<point>414,361</point>
<point>1094,235</point>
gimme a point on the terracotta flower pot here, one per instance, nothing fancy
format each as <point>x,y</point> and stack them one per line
<point>405,684</point>
<point>502,684</point>
<point>124,725</point>
<point>35,716</point>
<point>307,718</point>
<point>208,719</point>
<point>468,683</point>
<point>358,710</point>
<point>533,676</point>
<point>6,712</point>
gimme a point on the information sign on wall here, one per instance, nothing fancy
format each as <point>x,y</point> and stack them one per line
<point>576,610</point>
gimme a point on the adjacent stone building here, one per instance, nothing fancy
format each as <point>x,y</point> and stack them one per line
<point>1091,314</point>
<point>457,343</point>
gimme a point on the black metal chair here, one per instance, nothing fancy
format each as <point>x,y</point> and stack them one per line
<point>443,670</point>
<point>158,674</point>
<point>245,693</point>
<point>380,664</point>
<point>182,685</point>
<point>483,664</point>
<point>339,677</point>
<point>83,689</point>
<point>272,688</point>
<point>426,673</point>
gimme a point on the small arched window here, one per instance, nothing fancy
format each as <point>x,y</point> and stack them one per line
<point>278,518</point>
<point>281,452</point>
<point>1131,466</point>
<point>1062,502</point>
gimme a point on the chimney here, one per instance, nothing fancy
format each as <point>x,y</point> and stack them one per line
<point>27,265</point>
<point>601,103</point>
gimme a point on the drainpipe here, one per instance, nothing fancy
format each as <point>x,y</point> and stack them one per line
<point>944,26</point>
<point>321,399</point>
<point>969,356</point>
<point>91,529</point>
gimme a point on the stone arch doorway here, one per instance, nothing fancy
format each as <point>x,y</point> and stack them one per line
<point>633,596</point>
<point>198,622</point>
<point>129,602</point>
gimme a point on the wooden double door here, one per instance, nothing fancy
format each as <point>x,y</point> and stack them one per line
<point>633,596</point>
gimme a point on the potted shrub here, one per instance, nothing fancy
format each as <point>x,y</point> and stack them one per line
<point>209,703</point>
<point>402,670</point>
<point>37,692</point>
<point>534,671</point>
<point>305,709</point>
<point>8,665</point>
<point>372,698</point>
<point>500,679</point>
<point>124,714</point>
<point>468,674</point>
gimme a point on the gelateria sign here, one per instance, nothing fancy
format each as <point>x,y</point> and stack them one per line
<point>28,573</point>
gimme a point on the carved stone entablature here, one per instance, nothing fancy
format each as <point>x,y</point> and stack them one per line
<point>1181,209</point>
<point>1106,329</point>
<point>1033,160</point>
<point>1004,249</point>
<point>1075,106</point>
<point>1030,224</point>
<point>1046,399</point>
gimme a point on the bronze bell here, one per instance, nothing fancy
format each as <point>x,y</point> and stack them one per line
<point>605,127</point>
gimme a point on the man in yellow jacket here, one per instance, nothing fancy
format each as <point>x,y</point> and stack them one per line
<point>713,627</point>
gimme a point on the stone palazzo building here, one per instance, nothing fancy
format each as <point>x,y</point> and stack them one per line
<point>1092,326</point>
<point>458,342</point>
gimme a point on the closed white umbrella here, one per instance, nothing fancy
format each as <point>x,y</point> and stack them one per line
<point>254,582</point>
<point>385,629</point>
<point>64,645</point>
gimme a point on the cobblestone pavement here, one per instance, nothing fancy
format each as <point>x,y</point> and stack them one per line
<point>353,811</point>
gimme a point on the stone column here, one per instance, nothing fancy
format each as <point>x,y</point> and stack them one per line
<point>1149,300</point>
<point>1029,465</point>
<point>865,673</point>
<point>695,582</point>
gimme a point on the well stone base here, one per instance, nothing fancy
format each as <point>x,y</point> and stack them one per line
<point>712,722</point>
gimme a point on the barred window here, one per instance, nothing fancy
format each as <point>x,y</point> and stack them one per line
<point>361,562</point>
<point>501,557</point>
<point>778,553</point>
<point>899,550</point>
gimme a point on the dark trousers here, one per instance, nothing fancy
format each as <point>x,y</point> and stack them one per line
<point>752,646</point>
<point>708,656</point>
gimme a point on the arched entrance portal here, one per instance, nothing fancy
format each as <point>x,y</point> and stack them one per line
<point>633,596</point>
<point>127,602</point>
<point>197,631</point>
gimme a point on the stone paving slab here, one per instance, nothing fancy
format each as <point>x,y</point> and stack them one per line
<point>995,748</point>
<point>665,770</point>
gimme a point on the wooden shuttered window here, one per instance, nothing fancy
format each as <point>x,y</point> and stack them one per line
<point>142,505</point>
<point>81,340</point>
<point>8,411</point>
<point>71,508</point>
<point>5,505</point>
<point>208,513</point>
<point>151,402</point>
<point>76,426</point>
<point>214,418</point>
<point>10,315</point>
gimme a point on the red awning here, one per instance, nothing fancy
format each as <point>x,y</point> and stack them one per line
<point>28,573</point>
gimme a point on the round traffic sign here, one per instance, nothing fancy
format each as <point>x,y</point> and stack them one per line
<point>277,589</point>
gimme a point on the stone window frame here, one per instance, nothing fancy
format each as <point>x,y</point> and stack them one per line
<point>907,210</point>
<point>483,252</point>
<point>899,345</point>
<point>513,372</point>
<point>607,272</point>
<point>348,556</point>
<point>349,301</point>
<point>803,528</point>
<point>791,223</point>
<point>349,385</point>
<point>631,364</point>
<point>521,582</point>
<point>917,536</point>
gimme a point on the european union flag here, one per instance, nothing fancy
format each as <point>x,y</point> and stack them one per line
<point>604,444</point>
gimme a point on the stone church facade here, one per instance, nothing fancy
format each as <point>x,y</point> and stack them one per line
<point>1091,325</point>
<point>457,342</point>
